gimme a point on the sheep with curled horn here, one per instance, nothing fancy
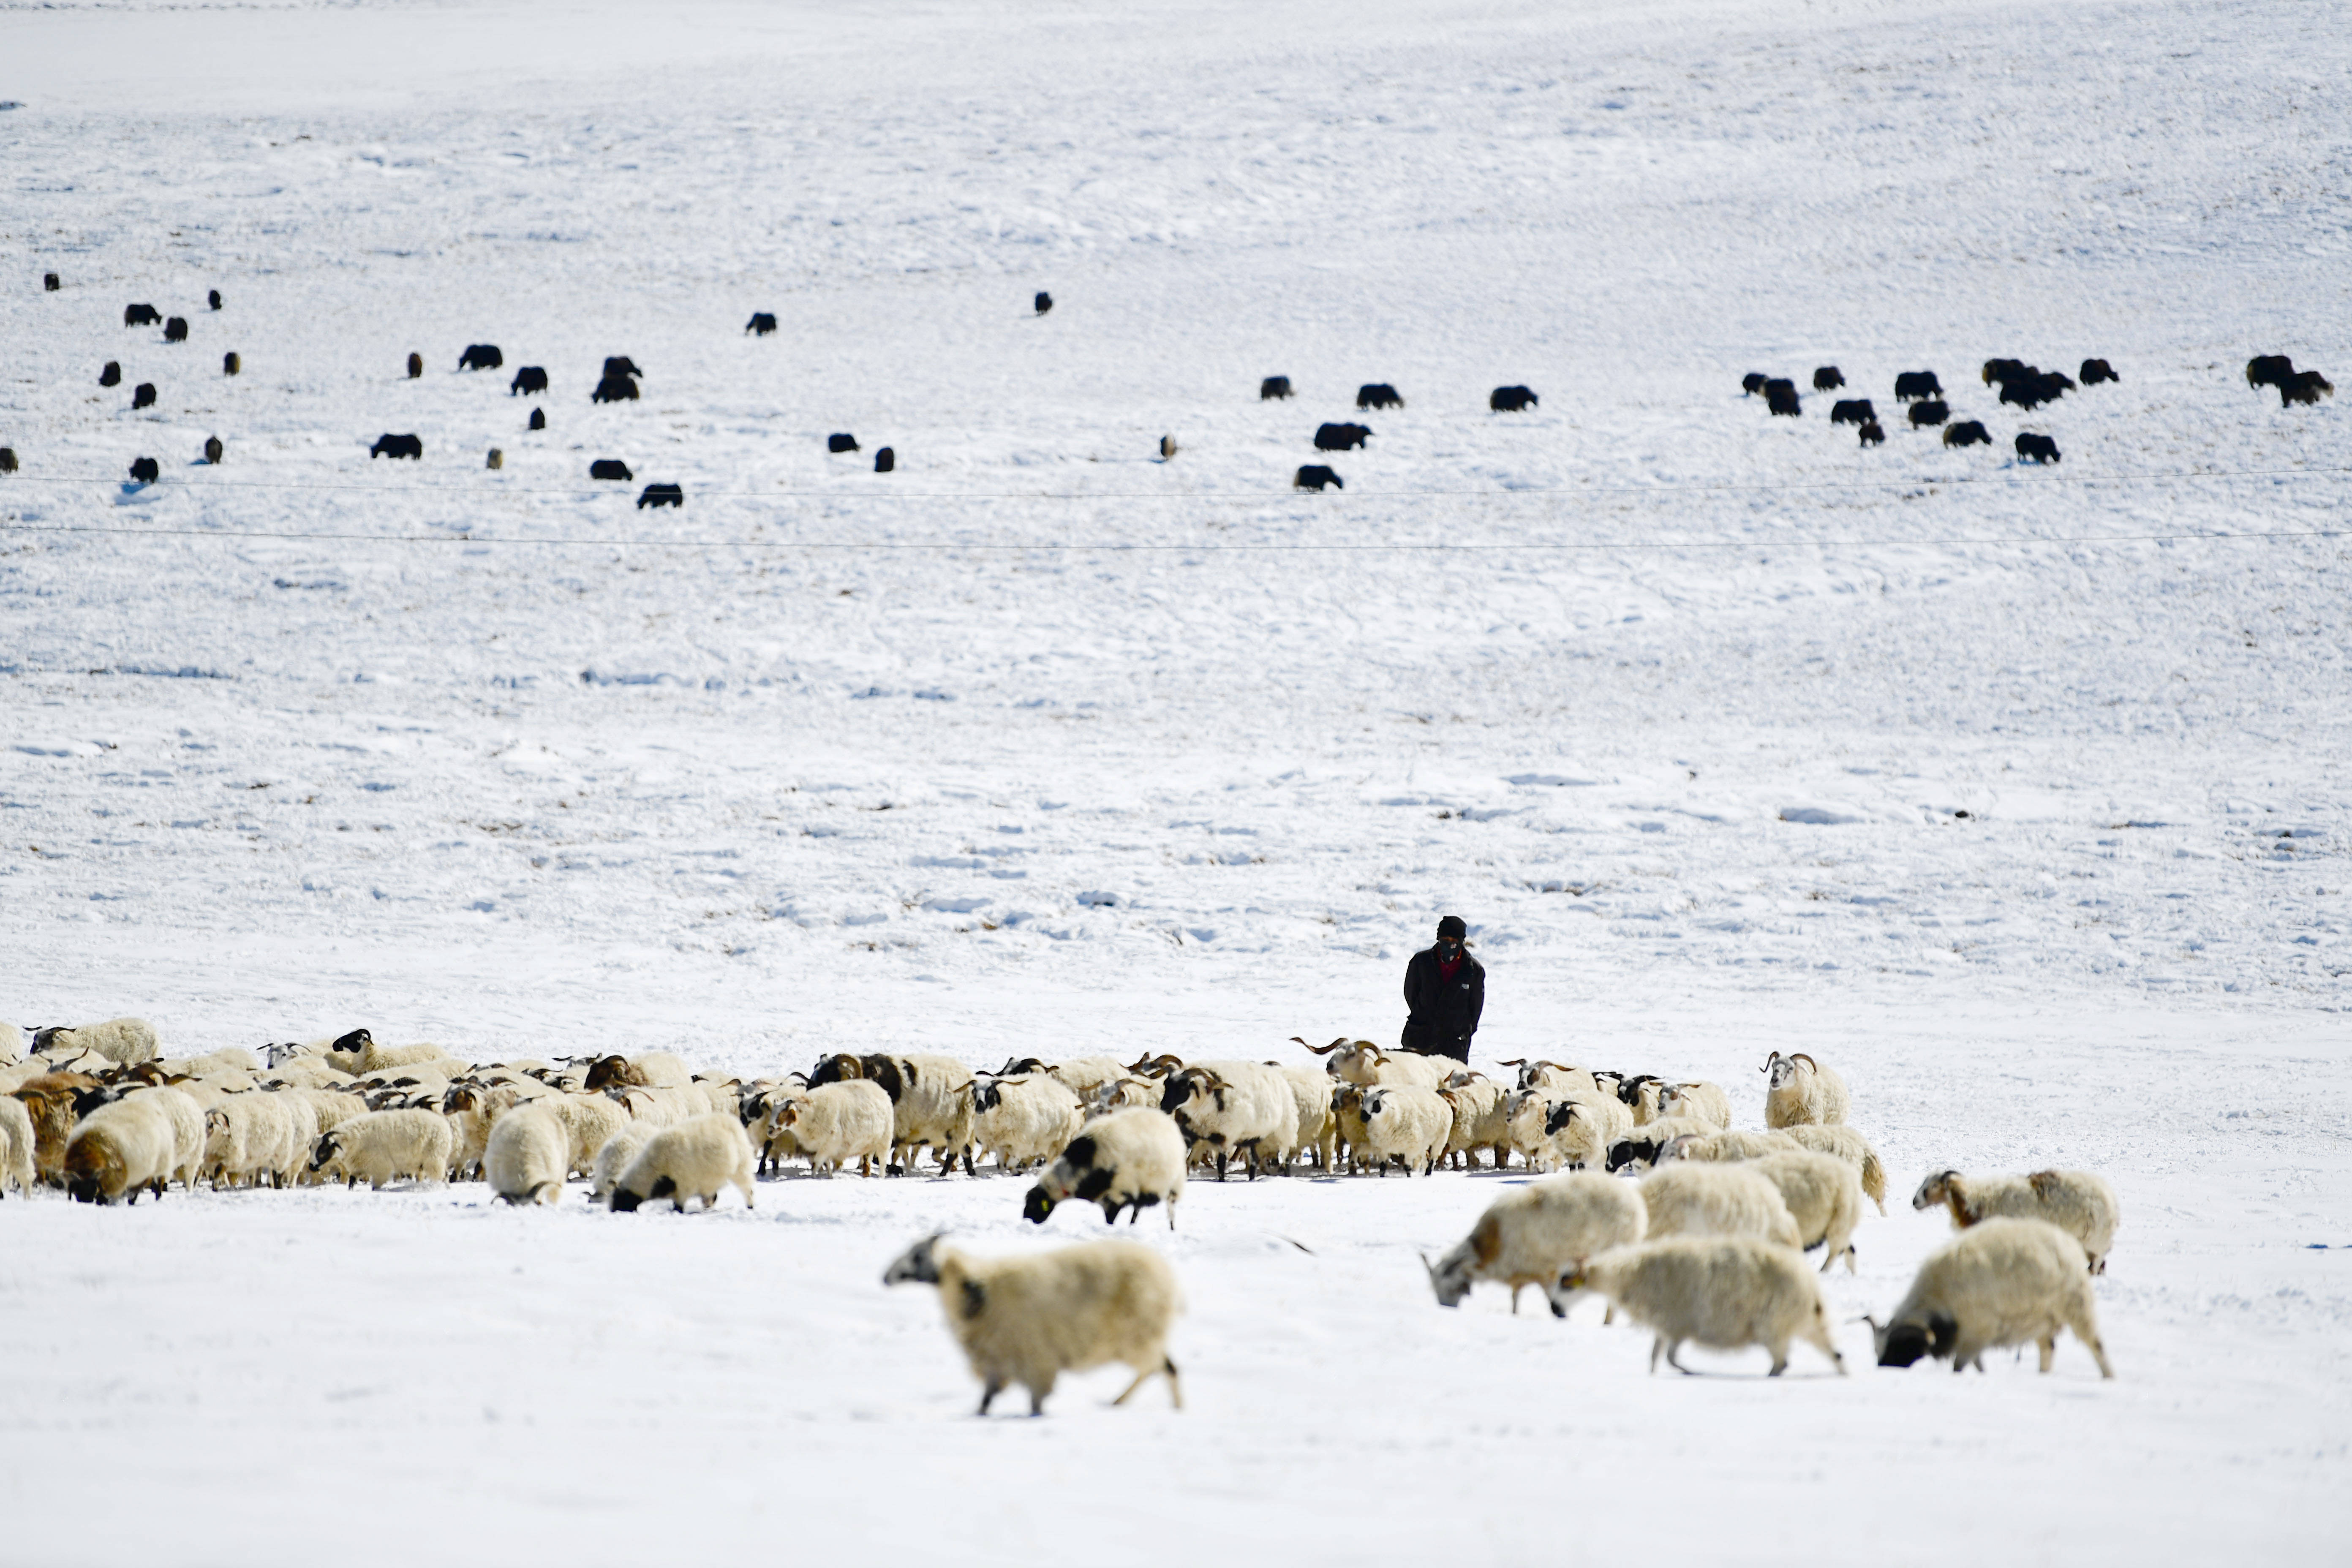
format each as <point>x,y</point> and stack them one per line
<point>1802,1091</point>
<point>1161,1066</point>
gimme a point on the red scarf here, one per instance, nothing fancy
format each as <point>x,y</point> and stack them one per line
<point>1448,968</point>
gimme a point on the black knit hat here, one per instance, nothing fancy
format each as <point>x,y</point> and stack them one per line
<point>1452,926</point>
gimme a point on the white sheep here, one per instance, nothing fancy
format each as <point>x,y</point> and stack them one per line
<point>693,1159</point>
<point>1228,1109</point>
<point>127,1041</point>
<point>529,1153</point>
<point>1706,1101</point>
<point>1029,1319</point>
<point>2002,1282</point>
<point>589,1122</point>
<point>1824,1197</point>
<point>16,1143</point>
<point>1722,1291</point>
<point>125,1147</point>
<point>386,1146</point>
<point>1362,1062</point>
<point>1130,1159</point>
<point>1801,1089</point>
<point>1576,1129</point>
<point>1408,1124</point>
<point>187,1120</point>
<point>2079,1203</point>
<point>930,1098</point>
<point>1716,1200</point>
<point>1083,1074</point>
<point>1122,1094</point>
<point>1848,1144</point>
<point>1479,1120</point>
<point>1024,1120</point>
<point>1310,1092</point>
<point>227,1059</point>
<point>14,1043</point>
<point>614,1158</point>
<point>1553,1077</point>
<point>1529,1236</point>
<point>1646,1145</point>
<point>834,1124</point>
<point>1729,1147</point>
<point>247,1136</point>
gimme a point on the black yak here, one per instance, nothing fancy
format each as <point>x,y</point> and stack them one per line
<point>538,420</point>
<point>391,446</point>
<point>1828,378</point>
<point>1752,383</point>
<point>1782,399</point>
<point>761,322</point>
<point>416,366</point>
<point>841,441</point>
<point>621,364</point>
<point>529,378</point>
<point>231,364</point>
<point>661,495</point>
<point>2268,370</point>
<point>1510,400</point>
<point>1932,411</point>
<point>2304,386</point>
<point>886,460</point>
<point>213,450</point>
<point>1852,411</point>
<point>495,460</point>
<point>615,389</point>
<point>49,281</point>
<point>142,395</point>
<point>1967,433</point>
<point>176,330</point>
<point>2033,388</point>
<point>1044,301</point>
<point>1272,387</point>
<point>145,470</point>
<point>2035,448</point>
<point>2095,371</point>
<point>1872,436</point>
<point>213,299</point>
<point>610,469</point>
<point>2002,370</point>
<point>111,376</point>
<point>1378,394</point>
<point>8,454</point>
<point>141,316</point>
<point>1911,385</point>
<point>1340,438</point>
<point>1314,477</point>
<point>481,356</point>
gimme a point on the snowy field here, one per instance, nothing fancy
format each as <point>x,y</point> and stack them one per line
<point>2019,794</point>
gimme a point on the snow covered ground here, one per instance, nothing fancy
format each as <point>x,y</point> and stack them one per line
<point>1042,745</point>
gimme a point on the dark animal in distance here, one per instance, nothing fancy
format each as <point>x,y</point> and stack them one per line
<point>1752,383</point>
<point>213,450</point>
<point>2033,448</point>
<point>1340,438</point>
<point>1378,394</point>
<point>1510,400</point>
<point>1852,411</point>
<point>886,460</point>
<point>2000,370</point>
<point>214,299</point>
<point>2095,371</point>
<point>1782,400</point>
<point>176,330</point>
<point>1872,436</point>
<point>615,389</point>
<point>1043,302</point>
<point>390,446</point>
<point>1933,411</point>
<point>495,460</point>
<point>416,366</point>
<point>142,316</point>
<point>1779,384</point>
<point>841,441</point>
<point>231,364</point>
<point>2034,388</point>
<point>1911,385</point>
<point>2304,386</point>
<point>1314,477</point>
<point>481,356</point>
<point>49,281</point>
<point>661,495</point>
<point>1272,387</point>
<point>1828,378</point>
<point>761,322</point>
<point>145,470</point>
<point>142,395</point>
<point>538,419</point>
<point>529,378</point>
<point>8,454</point>
<point>2269,370</point>
<point>610,469</point>
<point>1967,433</point>
<point>111,376</point>
<point>621,364</point>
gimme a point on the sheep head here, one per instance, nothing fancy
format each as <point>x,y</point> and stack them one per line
<point>919,1265</point>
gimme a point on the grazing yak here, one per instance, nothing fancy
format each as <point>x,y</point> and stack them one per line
<point>142,316</point>
<point>2262,370</point>
<point>2304,386</point>
<point>495,461</point>
<point>111,376</point>
<point>1378,394</point>
<point>529,378</point>
<point>2034,388</point>
<point>8,456</point>
<point>231,364</point>
<point>761,322</point>
<point>145,470</point>
<point>1933,411</point>
<point>538,420</point>
<point>2095,371</point>
<point>610,469</point>
<point>1967,433</point>
<point>1340,438</point>
<point>1780,398</point>
<point>214,450</point>
<point>1510,400</point>
<point>1752,383</point>
<point>1852,411</point>
<point>213,299</point>
<point>1872,436</point>
<point>142,395</point>
<point>1911,385</point>
<point>615,389</point>
<point>1828,378</point>
<point>1272,387</point>
<point>390,446</point>
<point>886,460</point>
<point>176,330</point>
<point>1314,477</point>
<point>2032,449</point>
<point>621,364</point>
<point>49,281</point>
<point>416,366</point>
<point>1043,302</point>
<point>481,356</point>
<point>841,441</point>
<point>661,495</point>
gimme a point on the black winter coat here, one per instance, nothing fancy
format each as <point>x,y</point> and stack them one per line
<point>1445,1014</point>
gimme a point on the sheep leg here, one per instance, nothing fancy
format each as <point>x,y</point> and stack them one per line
<point>1673,1359</point>
<point>2048,1345</point>
<point>988,1395</point>
<point>1515,1297</point>
<point>2087,1331</point>
<point>1657,1348</point>
<point>1141,1378</point>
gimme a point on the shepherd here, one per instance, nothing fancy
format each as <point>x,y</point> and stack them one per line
<point>1445,990</point>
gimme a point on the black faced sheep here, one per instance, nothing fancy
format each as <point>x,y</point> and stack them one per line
<point>142,395</point>
<point>1911,385</point>
<point>1933,411</point>
<point>2033,448</point>
<point>1314,477</point>
<point>1752,383</point>
<point>1340,438</point>
<point>111,376</point>
<point>481,356</point>
<point>231,364</point>
<point>1852,411</point>
<point>49,281</point>
<point>1378,394</point>
<point>538,420</point>
<point>1272,387</point>
<point>886,460</point>
<point>1043,302</point>
<point>1967,433</point>
<point>1782,400</point>
<point>1872,436</point>
<point>2095,371</point>
<point>761,322</point>
<point>615,389</point>
<point>176,330</point>
<point>2268,370</point>
<point>1511,399</point>
<point>661,495</point>
<point>841,441</point>
<point>529,378</point>
<point>142,316</point>
<point>621,364</point>
<point>1828,378</point>
<point>213,450</point>
<point>416,366</point>
<point>391,446</point>
<point>2304,386</point>
<point>610,469</point>
<point>145,470</point>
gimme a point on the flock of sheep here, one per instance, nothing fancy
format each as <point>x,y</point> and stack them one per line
<point>1651,1198</point>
